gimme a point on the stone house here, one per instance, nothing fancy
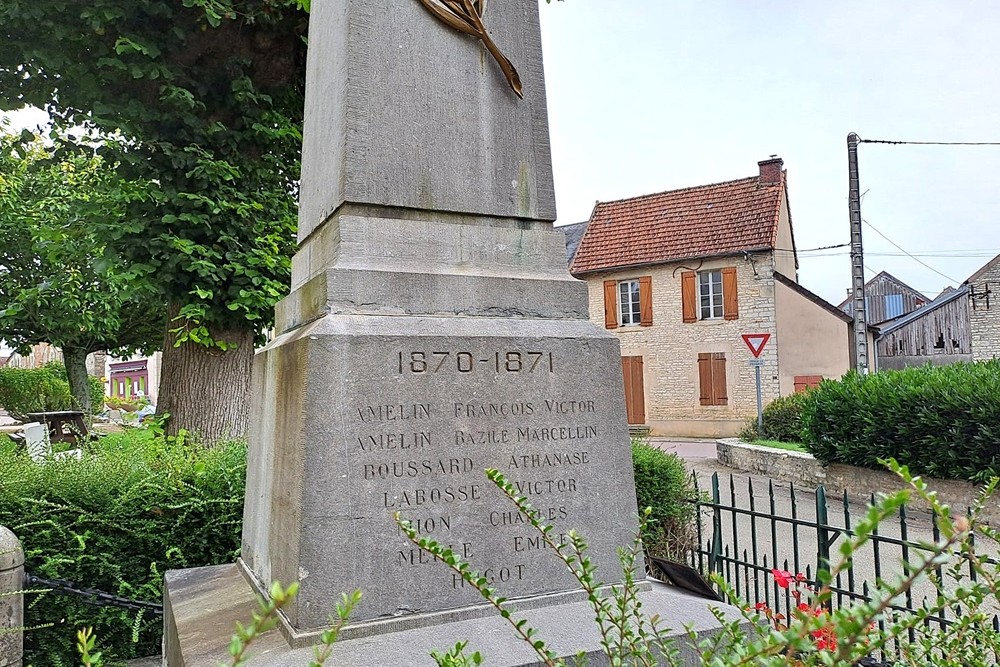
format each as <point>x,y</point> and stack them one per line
<point>680,276</point>
<point>984,311</point>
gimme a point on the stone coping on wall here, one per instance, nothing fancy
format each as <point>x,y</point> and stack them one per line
<point>859,483</point>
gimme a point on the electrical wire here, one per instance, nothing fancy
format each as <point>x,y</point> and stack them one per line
<point>930,143</point>
<point>915,259</point>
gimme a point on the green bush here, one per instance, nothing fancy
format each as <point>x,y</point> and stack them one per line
<point>663,484</point>
<point>24,390</point>
<point>135,506</point>
<point>941,421</point>
<point>783,418</point>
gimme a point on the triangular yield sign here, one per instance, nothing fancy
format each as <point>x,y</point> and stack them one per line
<point>756,342</point>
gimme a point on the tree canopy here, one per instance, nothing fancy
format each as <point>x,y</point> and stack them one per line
<point>204,99</point>
<point>57,284</point>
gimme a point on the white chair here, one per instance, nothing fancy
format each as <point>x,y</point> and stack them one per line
<point>36,440</point>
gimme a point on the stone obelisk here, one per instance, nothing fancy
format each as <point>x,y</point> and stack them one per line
<point>432,331</point>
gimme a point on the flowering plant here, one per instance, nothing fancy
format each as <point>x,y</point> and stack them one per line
<point>804,595</point>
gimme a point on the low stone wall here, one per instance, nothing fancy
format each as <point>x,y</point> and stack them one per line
<point>11,601</point>
<point>860,483</point>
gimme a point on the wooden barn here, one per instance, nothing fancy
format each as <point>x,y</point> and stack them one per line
<point>937,333</point>
<point>886,298</point>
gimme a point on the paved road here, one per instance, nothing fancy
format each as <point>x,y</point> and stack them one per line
<point>763,541</point>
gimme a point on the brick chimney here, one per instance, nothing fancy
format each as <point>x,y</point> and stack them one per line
<point>770,170</point>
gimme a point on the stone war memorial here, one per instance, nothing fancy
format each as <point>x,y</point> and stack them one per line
<point>432,331</point>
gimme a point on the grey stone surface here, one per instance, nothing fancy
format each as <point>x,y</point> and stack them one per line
<point>11,605</point>
<point>402,111</point>
<point>424,246</point>
<point>362,416</point>
<point>432,332</point>
<point>205,604</point>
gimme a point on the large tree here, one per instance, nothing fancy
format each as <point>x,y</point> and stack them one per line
<point>57,284</point>
<point>205,97</point>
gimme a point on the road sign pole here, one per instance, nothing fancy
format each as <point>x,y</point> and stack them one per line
<point>760,405</point>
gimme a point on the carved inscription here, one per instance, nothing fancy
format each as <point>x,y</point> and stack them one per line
<point>512,361</point>
<point>425,459</point>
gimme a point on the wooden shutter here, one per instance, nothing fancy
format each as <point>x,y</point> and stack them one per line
<point>635,405</point>
<point>705,387</point>
<point>712,378</point>
<point>730,297</point>
<point>719,378</point>
<point>804,382</point>
<point>610,304</point>
<point>689,297</point>
<point>646,301</point>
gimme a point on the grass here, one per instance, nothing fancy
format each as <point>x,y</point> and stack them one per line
<point>778,444</point>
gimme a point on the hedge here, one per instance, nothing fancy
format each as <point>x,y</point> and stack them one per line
<point>115,521</point>
<point>664,484</point>
<point>140,504</point>
<point>24,390</point>
<point>941,421</point>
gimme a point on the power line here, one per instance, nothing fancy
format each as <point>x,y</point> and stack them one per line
<point>930,143</point>
<point>915,259</point>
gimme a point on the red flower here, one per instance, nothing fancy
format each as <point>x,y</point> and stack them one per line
<point>782,577</point>
<point>760,606</point>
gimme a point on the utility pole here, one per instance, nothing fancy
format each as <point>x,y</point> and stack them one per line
<point>860,346</point>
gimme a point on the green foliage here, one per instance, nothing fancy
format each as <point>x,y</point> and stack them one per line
<point>778,444</point>
<point>628,636</point>
<point>782,420</point>
<point>665,486</point>
<point>97,388</point>
<point>135,506</point>
<point>60,285</point>
<point>24,390</point>
<point>201,101</point>
<point>940,421</point>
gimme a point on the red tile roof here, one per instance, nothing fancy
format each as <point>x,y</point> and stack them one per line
<point>704,221</point>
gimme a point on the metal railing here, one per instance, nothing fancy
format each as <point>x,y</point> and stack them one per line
<point>743,533</point>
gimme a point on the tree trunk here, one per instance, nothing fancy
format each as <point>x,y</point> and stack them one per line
<point>204,390</point>
<point>79,380</point>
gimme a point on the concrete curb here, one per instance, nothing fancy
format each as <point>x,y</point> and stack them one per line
<point>859,483</point>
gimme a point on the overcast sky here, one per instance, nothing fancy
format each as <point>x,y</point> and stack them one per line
<point>648,95</point>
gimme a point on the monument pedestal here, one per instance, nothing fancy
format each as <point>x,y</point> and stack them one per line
<point>203,605</point>
<point>432,332</point>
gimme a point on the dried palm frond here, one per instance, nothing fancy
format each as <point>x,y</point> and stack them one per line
<point>467,16</point>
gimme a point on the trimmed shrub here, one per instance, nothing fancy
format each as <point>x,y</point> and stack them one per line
<point>24,390</point>
<point>134,507</point>
<point>665,485</point>
<point>941,421</point>
<point>783,418</point>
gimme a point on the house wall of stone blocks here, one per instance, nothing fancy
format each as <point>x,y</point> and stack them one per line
<point>984,321</point>
<point>670,347</point>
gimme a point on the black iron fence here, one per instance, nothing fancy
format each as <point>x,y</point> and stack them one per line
<point>745,531</point>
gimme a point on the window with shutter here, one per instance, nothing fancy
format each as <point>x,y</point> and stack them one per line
<point>709,295</point>
<point>712,388</point>
<point>628,302</point>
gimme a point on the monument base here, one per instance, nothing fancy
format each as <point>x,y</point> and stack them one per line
<point>203,605</point>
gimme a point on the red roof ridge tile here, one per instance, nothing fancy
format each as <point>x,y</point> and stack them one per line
<point>684,189</point>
